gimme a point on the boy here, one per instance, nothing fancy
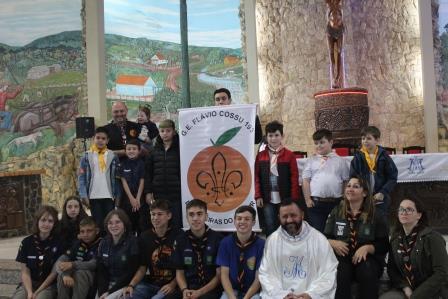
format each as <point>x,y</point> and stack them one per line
<point>156,247</point>
<point>76,268</point>
<point>97,184</point>
<point>197,273</point>
<point>162,179</point>
<point>323,180</point>
<point>373,164</point>
<point>240,256</point>
<point>132,173</point>
<point>276,176</point>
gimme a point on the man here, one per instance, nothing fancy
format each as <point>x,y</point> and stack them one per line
<point>6,116</point>
<point>223,97</point>
<point>298,262</point>
<point>120,129</point>
<point>197,273</point>
<point>156,247</point>
<point>5,96</point>
<point>240,256</point>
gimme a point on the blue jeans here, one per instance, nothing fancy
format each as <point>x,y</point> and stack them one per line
<point>270,213</point>
<point>100,207</point>
<point>145,290</point>
<point>318,214</point>
<point>239,295</point>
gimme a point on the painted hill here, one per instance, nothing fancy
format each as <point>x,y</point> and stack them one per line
<point>70,39</point>
<point>65,49</point>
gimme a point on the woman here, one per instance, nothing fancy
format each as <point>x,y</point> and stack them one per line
<point>359,239</point>
<point>418,261</point>
<point>37,255</point>
<point>117,259</point>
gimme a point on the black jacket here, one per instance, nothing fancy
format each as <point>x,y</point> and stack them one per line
<point>386,172</point>
<point>163,171</point>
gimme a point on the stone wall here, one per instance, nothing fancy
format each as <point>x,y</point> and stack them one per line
<point>58,166</point>
<point>382,54</point>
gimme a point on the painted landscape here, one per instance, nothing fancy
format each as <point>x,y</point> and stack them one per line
<point>142,72</point>
<point>42,85</point>
<point>143,53</point>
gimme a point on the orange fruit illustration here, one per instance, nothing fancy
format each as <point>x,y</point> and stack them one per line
<point>220,175</point>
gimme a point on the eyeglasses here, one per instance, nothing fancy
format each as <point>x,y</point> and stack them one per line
<point>406,211</point>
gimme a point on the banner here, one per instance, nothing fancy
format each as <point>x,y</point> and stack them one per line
<point>217,160</point>
<point>411,167</point>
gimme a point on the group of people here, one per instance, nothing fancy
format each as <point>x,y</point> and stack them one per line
<point>334,230</point>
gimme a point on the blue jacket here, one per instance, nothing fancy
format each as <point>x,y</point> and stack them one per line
<point>386,172</point>
<point>85,174</point>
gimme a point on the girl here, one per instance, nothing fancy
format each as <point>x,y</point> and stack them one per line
<point>72,214</point>
<point>37,254</point>
<point>418,262</point>
<point>149,129</point>
<point>118,256</point>
<point>359,239</point>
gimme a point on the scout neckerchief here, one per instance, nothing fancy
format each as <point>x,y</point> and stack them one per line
<point>162,256</point>
<point>274,157</point>
<point>370,162</point>
<point>199,245</point>
<point>101,153</point>
<point>122,127</point>
<point>324,158</point>
<point>243,248</point>
<point>352,219</point>
<point>160,242</point>
<point>43,247</point>
<point>406,245</point>
<point>84,248</point>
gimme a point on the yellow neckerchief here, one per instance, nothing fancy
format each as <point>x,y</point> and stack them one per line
<point>370,162</point>
<point>100,152</point>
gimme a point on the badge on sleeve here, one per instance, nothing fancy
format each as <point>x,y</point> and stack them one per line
<point>188,260</point>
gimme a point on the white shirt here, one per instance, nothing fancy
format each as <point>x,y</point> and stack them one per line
<point>98,185</point>
<point>302,264</point>
<point>326,175</point>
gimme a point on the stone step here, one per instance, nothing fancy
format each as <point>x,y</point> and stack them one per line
<point>9,272</point>
<point>6,290</point>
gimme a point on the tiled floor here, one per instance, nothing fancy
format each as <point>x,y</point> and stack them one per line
<point>9,247</point>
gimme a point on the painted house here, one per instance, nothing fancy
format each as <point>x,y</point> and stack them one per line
<point>135,85</point>
<point>158,59</point>
<point>40,71</point>
<point>231,60</point>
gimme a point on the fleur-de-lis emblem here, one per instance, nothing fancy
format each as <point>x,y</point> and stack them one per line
<point>219,184</point>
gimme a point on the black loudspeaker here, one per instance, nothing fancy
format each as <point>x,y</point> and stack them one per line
<point>85,127</point>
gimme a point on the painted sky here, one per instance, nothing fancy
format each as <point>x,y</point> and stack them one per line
<point>212,23</point>
<point>443,15</point>
<point>23,21</point>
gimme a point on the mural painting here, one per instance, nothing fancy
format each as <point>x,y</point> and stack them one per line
<point>143,53</point>
<point>42,75</point>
